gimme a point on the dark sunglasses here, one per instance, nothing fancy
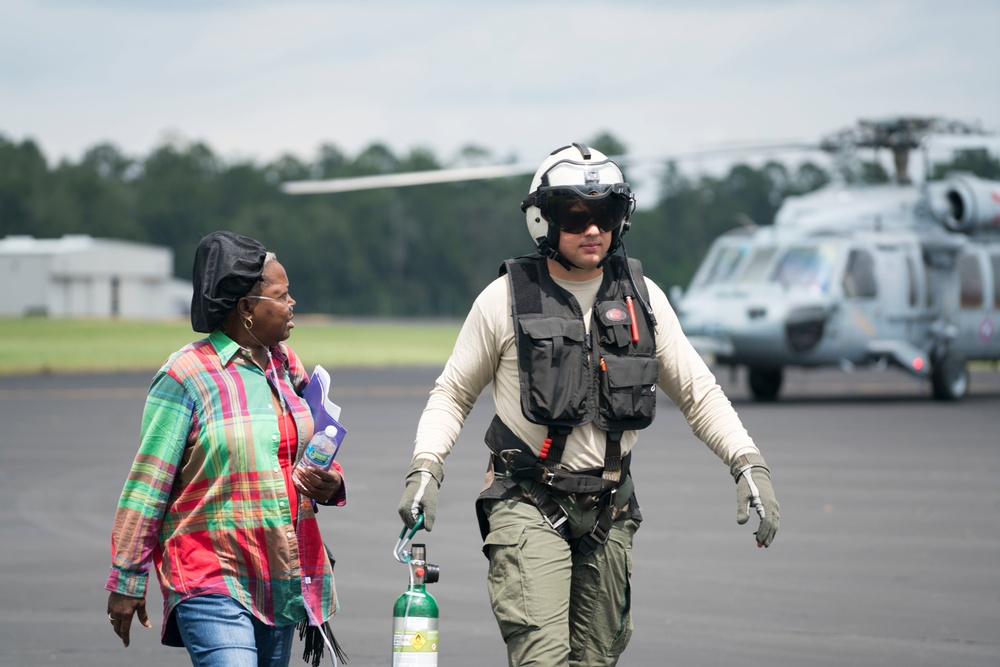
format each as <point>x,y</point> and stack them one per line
<point>574,211</point>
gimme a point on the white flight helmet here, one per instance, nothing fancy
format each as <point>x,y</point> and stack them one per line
<point>576,187</point>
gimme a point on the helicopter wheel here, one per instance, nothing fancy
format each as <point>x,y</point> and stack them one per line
<point>765,383</point>
<point>949,377</point>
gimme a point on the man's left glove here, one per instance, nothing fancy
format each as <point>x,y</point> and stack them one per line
<point>421,493</point>
<point>753,489</point>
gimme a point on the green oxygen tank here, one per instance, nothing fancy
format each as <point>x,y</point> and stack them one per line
<point>415,616</point>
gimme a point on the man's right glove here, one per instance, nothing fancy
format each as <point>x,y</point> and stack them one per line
<point>753,489</point>
<point>421,493</point>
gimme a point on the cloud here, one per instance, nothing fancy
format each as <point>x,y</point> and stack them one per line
<point>259,79</point>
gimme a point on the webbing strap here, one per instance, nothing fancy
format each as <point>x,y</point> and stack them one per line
<point>599,534</point>
<point>612,456</point>
<point>553,446</point>
<point>551,511</point>
<point>526,297</point>
<point>611,507</point>
<point>525,465</point>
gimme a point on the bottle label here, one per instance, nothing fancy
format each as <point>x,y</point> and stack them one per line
<point>416,644</point>
<point>318,458</point>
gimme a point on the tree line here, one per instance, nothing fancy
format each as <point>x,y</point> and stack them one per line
<point>422,251</point>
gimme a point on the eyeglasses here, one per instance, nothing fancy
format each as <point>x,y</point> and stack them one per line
<point>283,301</point>
<point>573,209</point>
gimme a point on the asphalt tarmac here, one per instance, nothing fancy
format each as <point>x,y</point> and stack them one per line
<point>888,552</point>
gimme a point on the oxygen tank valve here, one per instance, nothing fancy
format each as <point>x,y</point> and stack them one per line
<point>423,572</point>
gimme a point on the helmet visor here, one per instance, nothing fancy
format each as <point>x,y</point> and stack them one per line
<point>574,209</point>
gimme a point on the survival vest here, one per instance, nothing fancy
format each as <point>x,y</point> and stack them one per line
<point>570,377</point>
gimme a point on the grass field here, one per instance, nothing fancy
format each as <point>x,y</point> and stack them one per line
<point>40,345</point>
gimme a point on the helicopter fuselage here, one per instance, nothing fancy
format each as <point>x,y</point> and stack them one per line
<point>848,277</point>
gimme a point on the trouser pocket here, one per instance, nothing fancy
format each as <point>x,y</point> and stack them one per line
<point>509,582</point>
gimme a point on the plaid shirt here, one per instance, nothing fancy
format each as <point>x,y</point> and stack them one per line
<point>206,499</point>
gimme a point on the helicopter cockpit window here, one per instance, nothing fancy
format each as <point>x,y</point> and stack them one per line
<point>859,277</point>
<point>757,265</point>
<point>726,261</point>
<point>808,267</point>
<point>970,279</point>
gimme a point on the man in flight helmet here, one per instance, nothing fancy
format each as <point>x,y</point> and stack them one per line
<point>574,340</point>
<point>573,186</point>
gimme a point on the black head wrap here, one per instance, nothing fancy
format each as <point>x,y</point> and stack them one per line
<point>226,267</point>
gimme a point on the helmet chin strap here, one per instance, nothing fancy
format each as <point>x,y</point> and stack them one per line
<point>563,262</point>
<point>548,251</point>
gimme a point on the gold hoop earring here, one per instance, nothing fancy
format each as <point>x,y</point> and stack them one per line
<point>248,323</point>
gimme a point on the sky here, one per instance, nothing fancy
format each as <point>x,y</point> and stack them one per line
<point>255,80</point>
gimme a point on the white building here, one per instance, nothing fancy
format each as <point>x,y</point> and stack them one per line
<point>80,276</point>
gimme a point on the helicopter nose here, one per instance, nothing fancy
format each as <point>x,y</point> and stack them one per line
<point>804,328</point>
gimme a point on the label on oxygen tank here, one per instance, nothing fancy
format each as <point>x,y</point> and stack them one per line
<point>414,644</point>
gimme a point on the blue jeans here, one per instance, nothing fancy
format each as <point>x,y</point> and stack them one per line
<point>220,632</point>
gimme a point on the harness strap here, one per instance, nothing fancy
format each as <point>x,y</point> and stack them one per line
<point>551,511</point>
<point>611,508</point>
<point>516,469</point>
<point>612,457</point>
<point>554,445</point>
<point>510,454</point>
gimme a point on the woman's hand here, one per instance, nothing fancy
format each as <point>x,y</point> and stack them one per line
<point>320,485</point>
<point>120,611</point>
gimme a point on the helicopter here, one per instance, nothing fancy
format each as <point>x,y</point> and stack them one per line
<point>900,275</point>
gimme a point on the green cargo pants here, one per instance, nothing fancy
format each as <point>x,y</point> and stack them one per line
<point>556,608</point>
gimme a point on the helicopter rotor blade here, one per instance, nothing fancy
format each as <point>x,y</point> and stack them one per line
<point>407,179</point>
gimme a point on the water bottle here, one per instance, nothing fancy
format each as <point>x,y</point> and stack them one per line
<point>321,449</point>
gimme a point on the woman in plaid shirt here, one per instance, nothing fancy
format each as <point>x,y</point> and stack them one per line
<point>210,500</point>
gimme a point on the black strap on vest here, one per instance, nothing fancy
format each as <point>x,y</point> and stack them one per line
<point>516,458</point>
<point>524,282</point>
<point>516,463</point>
<point>612,457</point>
<point>555,444</point>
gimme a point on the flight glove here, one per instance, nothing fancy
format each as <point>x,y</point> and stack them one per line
<point>421,493</point>
<point>753,489</point>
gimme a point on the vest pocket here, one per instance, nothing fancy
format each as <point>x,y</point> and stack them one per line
<point>629,388</point>
<point>616,324</point>
<point>557,388</point>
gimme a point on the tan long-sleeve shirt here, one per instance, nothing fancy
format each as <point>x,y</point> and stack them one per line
<point>486,351</point>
